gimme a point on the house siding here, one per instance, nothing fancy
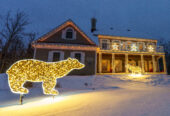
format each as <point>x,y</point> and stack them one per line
<point>89,69</point>
<point>57,38</point>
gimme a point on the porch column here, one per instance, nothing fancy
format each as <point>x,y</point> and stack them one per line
<point>153,61</point>
<point>113,63</point>
<point>158,64</point>
<point>164,63</point>
<point>126,62</point>
<point>142,63</point>
<point>100,62</point>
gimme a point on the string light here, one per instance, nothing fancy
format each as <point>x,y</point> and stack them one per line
<point>39,71</point>
<point>115,46</point>
<point>133,47</point>
<point>150,48</point>
<point>134,69</point>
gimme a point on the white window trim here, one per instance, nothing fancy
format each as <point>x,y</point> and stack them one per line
<point>82,56</point>
<point>51,53</point>
<point>64,34</point>
<point>35,51</point>
<point>108,43</point>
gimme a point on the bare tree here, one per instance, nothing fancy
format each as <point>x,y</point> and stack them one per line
<point>13,31</point>
<point>29,51</point>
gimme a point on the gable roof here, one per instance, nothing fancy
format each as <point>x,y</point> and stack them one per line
<point>60,27</point>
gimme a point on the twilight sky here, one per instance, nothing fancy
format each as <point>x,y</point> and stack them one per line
<point>145,18</point>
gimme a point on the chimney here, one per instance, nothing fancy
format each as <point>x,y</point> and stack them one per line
<point>93,24</point>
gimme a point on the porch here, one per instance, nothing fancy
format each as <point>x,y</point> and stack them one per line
<point>115,63</point>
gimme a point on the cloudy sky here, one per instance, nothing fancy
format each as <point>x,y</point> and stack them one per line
<point>145,18</point>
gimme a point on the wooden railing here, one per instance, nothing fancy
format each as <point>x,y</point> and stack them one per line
<point>132,48</point>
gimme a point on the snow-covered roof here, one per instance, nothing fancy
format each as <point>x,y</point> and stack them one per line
<point>122,33</point>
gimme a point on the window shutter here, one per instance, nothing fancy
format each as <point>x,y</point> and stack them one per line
<point>72,55</point>
<point>63,34</point>
<point>50,56</point>
<point>61,55</point>
<point>83,57</point>
<point>74,35</point>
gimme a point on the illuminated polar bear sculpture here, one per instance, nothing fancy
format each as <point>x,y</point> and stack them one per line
<point>39,71</point>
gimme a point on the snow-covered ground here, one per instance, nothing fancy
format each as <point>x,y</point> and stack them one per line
<point>108,95</point>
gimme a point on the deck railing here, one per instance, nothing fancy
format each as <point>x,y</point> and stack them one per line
<point>160,49</point>
<point>131,48</point>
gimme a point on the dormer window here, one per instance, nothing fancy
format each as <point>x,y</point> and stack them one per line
<point>69,34</point>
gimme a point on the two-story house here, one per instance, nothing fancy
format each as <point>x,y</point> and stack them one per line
<point>67,40</point>
<point>110,56</point>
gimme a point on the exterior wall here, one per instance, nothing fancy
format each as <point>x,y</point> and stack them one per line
<point>89,69</point>
<point>57,38</point>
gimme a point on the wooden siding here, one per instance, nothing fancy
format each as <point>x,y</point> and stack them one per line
<point>42,54</point>
<point>57,38</point>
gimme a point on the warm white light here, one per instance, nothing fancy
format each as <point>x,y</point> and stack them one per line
<point>39,71</point>
<point>52,99</point>
<point>134,69</point>
<point>150,48</point>
<point>136,75</point>
<point>115,46</point>
<point>133,47</point>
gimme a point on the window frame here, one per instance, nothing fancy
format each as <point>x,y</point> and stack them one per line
<point>51,54</point>
<point>107,43</point>
<point>69,31</point>
<point>64,34</point>
<point>82,56</point>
